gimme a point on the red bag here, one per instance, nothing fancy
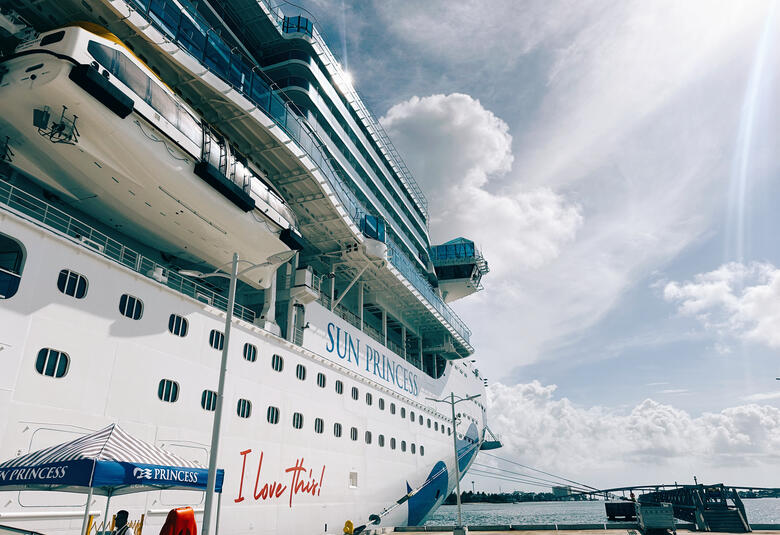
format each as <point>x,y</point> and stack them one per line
<point>180,521</point>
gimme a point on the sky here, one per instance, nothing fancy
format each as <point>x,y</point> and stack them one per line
<point>617,163</point>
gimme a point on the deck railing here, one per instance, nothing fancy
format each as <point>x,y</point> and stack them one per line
<point>193,35</point>
<point>39,210</point>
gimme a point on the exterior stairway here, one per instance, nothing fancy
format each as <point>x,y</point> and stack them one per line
<point>726,521</point>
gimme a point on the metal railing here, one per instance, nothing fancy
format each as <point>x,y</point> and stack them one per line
<point>204,44</point>
<point>39,210</point>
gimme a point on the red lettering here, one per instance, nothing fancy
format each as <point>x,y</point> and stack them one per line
<point>321,478</point>
<point>296,472</point>
<point>257,479</point>
<point>241,485</point>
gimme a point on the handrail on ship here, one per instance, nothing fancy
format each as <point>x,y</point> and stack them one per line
<point>244,79</point>
<point>50,215</point>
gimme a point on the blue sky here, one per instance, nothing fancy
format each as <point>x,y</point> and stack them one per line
<point>617,164</point>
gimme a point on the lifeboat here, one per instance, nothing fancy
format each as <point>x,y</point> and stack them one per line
<point>91,121</point>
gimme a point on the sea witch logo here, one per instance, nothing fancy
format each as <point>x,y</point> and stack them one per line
<point>142,473</point>
<point>347,347</point>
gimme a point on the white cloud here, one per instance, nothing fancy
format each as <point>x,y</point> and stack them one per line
<point>741,300</point>
<point>763,396</point>
<point>649,443</point>
<point>455,146</point>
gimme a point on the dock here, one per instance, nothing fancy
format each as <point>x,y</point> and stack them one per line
<point>570,529</point>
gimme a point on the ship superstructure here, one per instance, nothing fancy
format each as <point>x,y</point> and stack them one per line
<point>144,139</point>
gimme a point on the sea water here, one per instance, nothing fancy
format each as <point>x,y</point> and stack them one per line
<point>759,511</point>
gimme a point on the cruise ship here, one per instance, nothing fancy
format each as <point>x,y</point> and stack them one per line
<point>148,145</point>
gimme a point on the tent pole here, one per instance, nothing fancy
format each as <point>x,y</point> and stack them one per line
<point>219,510</point>
<point>86,513</point>
<point>105,518</point>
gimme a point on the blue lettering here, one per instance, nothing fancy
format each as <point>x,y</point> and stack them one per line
<point>398,375</point>
<point>377,371</point>
<point>369,358</point>
<point>354,350</point>
<point>338,343</point>
<point>331,344</point>
<point>389,369</point>
<point>415,388</point>
<point>406,379</point>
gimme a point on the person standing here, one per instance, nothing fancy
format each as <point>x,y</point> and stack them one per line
<point>122,527</point>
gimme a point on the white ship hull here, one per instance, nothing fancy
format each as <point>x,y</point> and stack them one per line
<point>115,368</point>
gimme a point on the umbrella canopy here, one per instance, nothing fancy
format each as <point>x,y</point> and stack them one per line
<point>108,462</point>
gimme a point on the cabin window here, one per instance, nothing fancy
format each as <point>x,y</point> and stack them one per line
<point>369,398</point>
<point>11,266</point>
<point>392,443</point>
<point>72,283</point>
<point>381,441</point>
<point>381,404</point>
<point>435,426</point>
<point>52,363</point>
<point>244,408</point>
<point>420,421</point>
<point>321,380</point>
<point>392,408</point>
<point>250,352</point>
<point>300,372</point>
<point>131,307</point>
<point>368,437</point>
<point>355,393</point>
<point>403,412</point>
<point>337,430</point>
<point>422,450</point>
<point>178,325</point>
<point>411,415</point>
<point>319,425</point>
<point>272,415</point>
<point>353,433</point>
<point>412,448</point>
<point>277,363</point>
<point>339,387</point>
<point>297,420</point>
<point>429,423</point>
<point>216,339</point>
<point>403,445</point>
<point>208,400</point>
<point>168,390</point>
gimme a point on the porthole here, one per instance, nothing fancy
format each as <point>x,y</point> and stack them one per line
<point>412,448</point>
<point>368,437</point>
<point>11,266</point>
<point>337,430</point>
<point>381,441</point>
<point>403,412</point>
<point>244,408</point>
<point>403,445</point>
<point>355,393</point>
<point>216,339</point>
<point>422,450</point>
<point>429,423</point>
<point>250,352</point>
<point>392,408</point>
<point>300,372</point>
<point>392,443</point>
<point>420,420</point>
<point>52,363</point>
<point>321,380</point>
<point>353,433</point>
<point>131,307</point>
<point>449,431</point>
<point>339,387</point>
<point>178,325</point>
<point>369,398</point>
<point>168,390</point>
<point>381,404</point>
<point>208,400</point>
<point>319,425</point>
<point>277,363</point>
<point>72,283</point>
<point>297,420</point>
<point>411,415</point>
<point>272,415</point>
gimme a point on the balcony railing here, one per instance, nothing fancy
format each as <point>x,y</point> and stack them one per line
<point>54,218</point>
<point>193,34</point>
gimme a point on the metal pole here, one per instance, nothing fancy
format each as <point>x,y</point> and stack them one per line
<point>86,513</point>
<point>220,398</point>
<point>457,467</point>
<point>105,520</point>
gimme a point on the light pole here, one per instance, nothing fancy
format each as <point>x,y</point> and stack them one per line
<point>215,429</point>
<point>459,529</point>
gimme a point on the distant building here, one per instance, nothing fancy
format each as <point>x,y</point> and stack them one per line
<point>561,492</point>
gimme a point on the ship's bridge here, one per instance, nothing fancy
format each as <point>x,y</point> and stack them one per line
<point>459,268</point>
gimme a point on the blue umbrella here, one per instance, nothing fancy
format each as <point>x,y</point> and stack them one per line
<point>108,462</point>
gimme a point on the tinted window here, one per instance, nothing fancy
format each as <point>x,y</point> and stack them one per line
<point>178,325</point>
<point>11,264</point>
<point>321,380</point>
<point>72,284</point>
<point>244,408</point>
<point>131,307</point>
<point>277,363</point>
<point>168,390</point>
<point>272,415</point>
<point>208,400</point>
<point>300,372</point>
<point>216,339</point>
<point>52,363</point>
<point>250,352</point>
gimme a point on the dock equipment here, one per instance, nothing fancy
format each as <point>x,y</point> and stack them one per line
<point>655,518</point>
<point>708,507</point>
<point>625,509</point>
